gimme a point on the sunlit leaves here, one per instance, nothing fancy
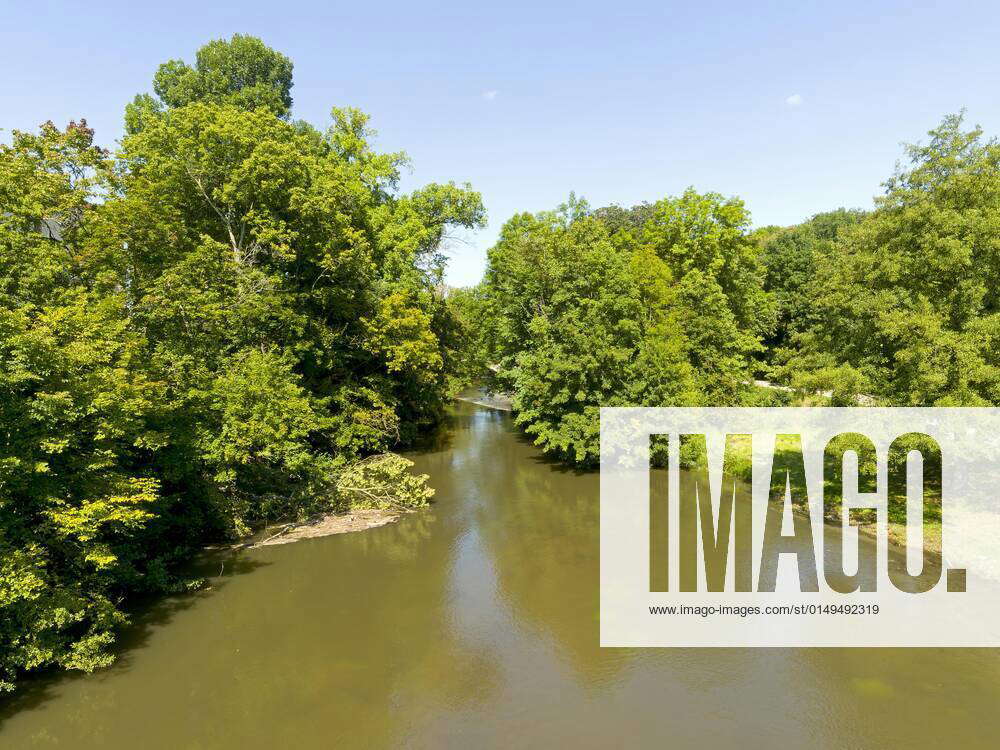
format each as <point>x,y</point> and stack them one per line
<point>201,334</point>
<point>658,305</point>
<point>908,300</point>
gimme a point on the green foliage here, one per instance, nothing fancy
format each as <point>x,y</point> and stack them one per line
<point>242,72</point>
<point>724,309</point>
<point>258,442</point>
<point>466,310</point>
<point>233,312</point>
<point>75,406</point>
<point>790,257</point>
<point>659,305</point>
<point>906,304</point>
<point>383,482</point>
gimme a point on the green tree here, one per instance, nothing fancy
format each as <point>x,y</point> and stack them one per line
<point>466,307</point>
<point>212,328</point>
<point>661,304</point>
<point>75,409</point>
<point>577,322</point>
<point>906,304</point>
<point>724,310</point>
<point>241,71</point>
<point>790,258</point>
<point>245,236</point>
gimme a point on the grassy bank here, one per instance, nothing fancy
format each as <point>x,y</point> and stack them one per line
<point>739,464</point>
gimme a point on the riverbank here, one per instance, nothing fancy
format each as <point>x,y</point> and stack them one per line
<point>741,468</point>
<point>896,525</point>
<point>437,629</point>
<point>329,524</point>
<point>480,397</point>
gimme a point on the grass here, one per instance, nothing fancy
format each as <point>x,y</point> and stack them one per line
<point>739,464</point>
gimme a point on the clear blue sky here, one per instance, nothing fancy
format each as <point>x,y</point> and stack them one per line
<point>797,107</point>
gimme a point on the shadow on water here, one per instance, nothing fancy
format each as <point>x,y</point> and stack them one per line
<point>532,451</point>
<point>552,463</point>
<point>461,417</point>
<point>146,615</point>
<point>475,624</point>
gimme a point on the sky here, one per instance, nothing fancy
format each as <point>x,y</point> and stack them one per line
<point>795,107</point>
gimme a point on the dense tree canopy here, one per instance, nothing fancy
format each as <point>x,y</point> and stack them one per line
<point>77,411</point>
<point>906,305</point>
<point>235,316</point>
<point>233,311</point>
<point>242,71</point>
<point>660,305</point>
<point>791,256</point>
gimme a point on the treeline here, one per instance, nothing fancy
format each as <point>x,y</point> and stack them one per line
<point>662,304</point>
<point>201,331</point>
<point>903,303</point>
<point>679,302</point>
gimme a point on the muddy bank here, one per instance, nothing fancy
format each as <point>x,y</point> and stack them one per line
<point>326,525</point>
<point>481,397</point>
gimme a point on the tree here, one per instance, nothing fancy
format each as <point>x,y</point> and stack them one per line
<point>661,304</point>
<point>724,310</point>
<point>790,258</point>
<point>75,402</point>
<point>579,322</point>
<point>208,330</point>
<point>466,307</point>
<point>906,304</point>
<point>247,238</point>
<point>243,72</point>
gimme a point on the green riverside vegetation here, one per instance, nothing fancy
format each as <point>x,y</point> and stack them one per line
<point>229,320</point>
<point>234,317</point>
<point>662,304</point>
<point>678,302</point>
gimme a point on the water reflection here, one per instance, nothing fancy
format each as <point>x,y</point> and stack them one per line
<point>475,624</point>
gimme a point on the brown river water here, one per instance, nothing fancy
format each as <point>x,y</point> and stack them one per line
<point>475,625</point>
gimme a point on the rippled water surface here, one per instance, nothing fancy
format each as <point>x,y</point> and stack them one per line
<point>475,625</point>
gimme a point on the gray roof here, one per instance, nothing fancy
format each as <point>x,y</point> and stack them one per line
<point>50,228</point>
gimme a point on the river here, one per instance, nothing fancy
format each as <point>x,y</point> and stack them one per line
<point>475,625</point>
